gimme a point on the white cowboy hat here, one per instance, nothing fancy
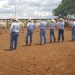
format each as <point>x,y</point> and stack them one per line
<point>29,20</point>
<point>52,20</point>
<point>61,19</point>
<point>15,20</point>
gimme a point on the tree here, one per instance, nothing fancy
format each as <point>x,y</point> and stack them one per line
<point>67,7</point>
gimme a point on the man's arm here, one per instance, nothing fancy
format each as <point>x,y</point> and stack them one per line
<point>11,28</point>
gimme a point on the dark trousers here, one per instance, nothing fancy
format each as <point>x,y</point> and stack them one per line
<point>61,34</point>
<point>29,33</point>
<point>13,40</point>
<point>42,34</point>
<point>52,35</point>
<point>73,34</point>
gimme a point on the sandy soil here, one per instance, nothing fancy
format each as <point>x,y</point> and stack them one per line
<point>49,59</point>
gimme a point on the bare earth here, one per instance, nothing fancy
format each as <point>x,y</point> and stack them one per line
<point>49,59</point>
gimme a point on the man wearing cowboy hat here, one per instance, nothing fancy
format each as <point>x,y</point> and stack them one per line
<point>42,26</point>
<point>30,28</point>
<point>61,29</point>
<point>73,30</point>
<point>14,33</point>
<point>52,26</point>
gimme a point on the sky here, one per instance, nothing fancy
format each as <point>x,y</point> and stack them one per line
<point>27,8</point>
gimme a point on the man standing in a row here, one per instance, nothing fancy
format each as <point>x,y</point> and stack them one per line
<point>52,27</point>
<point>42,26</point>
<point>73,30</point>
<point>14,33</point>
<point>30,28</point>
<point>61,29</point>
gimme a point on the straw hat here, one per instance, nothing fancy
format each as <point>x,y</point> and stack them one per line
<point>61,19</point>
<point>29,20</point>
<point>52,20</point>
<point>16,20</point>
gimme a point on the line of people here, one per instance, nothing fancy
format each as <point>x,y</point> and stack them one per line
<point>42,27</point>
<point>15,29</point>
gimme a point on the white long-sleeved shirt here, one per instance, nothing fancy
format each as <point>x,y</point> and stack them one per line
<point>43,25</point>
<point>61,25</point>
<point>52,25</point>
<point>73,24</point>
<point>15,27</point>
<point>30,26</point>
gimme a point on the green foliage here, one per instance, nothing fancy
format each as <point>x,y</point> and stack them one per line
<point>67,7</point>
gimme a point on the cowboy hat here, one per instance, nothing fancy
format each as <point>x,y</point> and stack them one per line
<point>16,20</point>
<point>61,19</point>
<point>52,20</point>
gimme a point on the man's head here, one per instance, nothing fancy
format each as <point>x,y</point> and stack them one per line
<point>61,19</point>
<point>15,20</point>
<point>29,20</point>
<point>52,20</point>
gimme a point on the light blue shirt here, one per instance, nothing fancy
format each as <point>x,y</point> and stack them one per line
<point>52,25</point>
<point>73,24</point>
<point>15,27</point>
<point>30,26</point>
<point>43,25</point>
<point>61,25</point>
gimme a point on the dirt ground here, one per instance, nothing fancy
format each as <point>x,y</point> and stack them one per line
<point>50,59</point>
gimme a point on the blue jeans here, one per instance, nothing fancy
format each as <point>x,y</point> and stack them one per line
<point>42,34</point>
<point>29,33</point>
<point>13,40</point>
<point>73,33</point>
<point>61,34</point>
<point>52,35</point>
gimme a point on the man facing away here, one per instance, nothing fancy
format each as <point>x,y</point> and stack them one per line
<point>42,26</point>
<point>30,29</point>
<point>73,30</point>
<point>61,29</point>
<point>52,27</point>
<point>14,33</point>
